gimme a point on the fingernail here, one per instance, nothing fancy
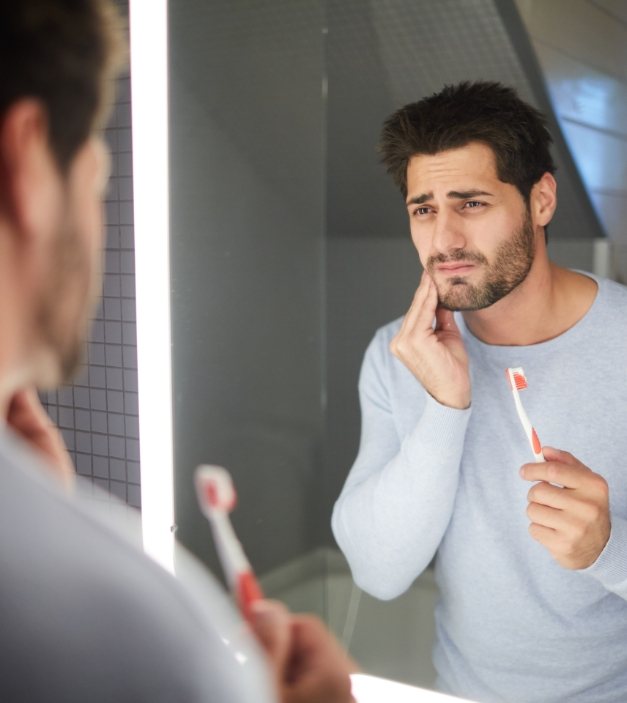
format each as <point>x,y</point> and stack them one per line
<point>263,611</point>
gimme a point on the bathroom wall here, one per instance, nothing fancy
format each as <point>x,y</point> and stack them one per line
<point>582,48</point>
<point>98,412</point>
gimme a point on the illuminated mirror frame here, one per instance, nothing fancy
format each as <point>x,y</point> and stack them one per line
<point>149,102</point>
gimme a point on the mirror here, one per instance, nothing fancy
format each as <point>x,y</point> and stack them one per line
<point>290,247</point>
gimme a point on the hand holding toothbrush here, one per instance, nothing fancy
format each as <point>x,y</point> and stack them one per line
<point>435,355</point>
<point>568,508</point>
<point>309,664</point>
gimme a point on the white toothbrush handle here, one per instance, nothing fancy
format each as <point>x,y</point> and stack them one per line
<point>532,435</point>
<point>232,557</point>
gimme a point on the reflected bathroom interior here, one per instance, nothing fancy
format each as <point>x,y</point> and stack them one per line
<point>289,247</point>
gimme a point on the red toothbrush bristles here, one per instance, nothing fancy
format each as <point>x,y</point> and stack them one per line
<point>217,499</point>
<point>520,381</point>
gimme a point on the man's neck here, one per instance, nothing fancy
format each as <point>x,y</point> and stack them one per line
<point>546,304</point>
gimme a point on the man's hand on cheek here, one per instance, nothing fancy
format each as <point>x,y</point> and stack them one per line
<point>435,355</point>
<point>571,519</point>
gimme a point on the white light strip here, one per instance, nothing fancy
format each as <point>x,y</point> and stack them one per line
<point>149,86</point>
<point>371,689</point>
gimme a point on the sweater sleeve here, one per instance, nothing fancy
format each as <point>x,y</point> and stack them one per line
<point>399,495</point>
<point>610,569</point>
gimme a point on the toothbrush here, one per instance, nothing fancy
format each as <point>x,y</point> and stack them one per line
<point>518,382</point>
<point>217,497</point>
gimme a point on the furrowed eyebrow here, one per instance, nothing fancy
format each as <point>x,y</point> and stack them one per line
<point>465,194</point>
<point>455,194</point>
<point>419,199</point>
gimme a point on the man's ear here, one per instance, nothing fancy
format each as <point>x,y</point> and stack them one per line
<point>543,200</point>
<point>29,178</point>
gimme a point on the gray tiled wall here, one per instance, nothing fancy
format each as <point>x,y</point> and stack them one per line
<point>98,413</point>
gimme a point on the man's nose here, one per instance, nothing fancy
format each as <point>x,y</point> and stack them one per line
<point>448,234</point>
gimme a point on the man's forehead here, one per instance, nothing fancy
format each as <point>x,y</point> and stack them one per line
<point>468,168</point>
<point>473,158</point>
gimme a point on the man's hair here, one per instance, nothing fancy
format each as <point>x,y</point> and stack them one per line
<point>485,112</point>
<point>66,54</point>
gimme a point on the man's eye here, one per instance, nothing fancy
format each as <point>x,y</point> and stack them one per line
<point>471,204</point>
<point>424,210</point>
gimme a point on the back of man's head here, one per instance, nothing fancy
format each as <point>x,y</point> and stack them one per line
<point>64,53</point>
<point>485,112</point>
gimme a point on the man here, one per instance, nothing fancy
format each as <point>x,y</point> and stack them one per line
<point>531,562</point>
<point>85,616</point>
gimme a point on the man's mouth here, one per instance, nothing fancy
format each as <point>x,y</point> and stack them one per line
<point>455,268</point>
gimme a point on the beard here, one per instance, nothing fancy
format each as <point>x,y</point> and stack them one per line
<point>65,306</point>
<point>512,262</point>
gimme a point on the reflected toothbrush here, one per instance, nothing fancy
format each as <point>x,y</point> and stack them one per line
<point>217,497</point>
<point>518,382</point>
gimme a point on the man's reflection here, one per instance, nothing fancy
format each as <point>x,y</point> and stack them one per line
<point>531,557</point>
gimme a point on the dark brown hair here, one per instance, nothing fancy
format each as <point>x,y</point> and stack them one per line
<point>486,112</point>
<point>65,53</point>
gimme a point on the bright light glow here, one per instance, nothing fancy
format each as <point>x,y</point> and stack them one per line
<point>371,689</point>
<point>149,98</point>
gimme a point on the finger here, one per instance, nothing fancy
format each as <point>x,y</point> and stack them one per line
<point>26,412</point>
<point>319,667</point>
<point>28,418</point>
<point>548,537</point>
<point>424,308</point>
<point>417,302</point>
<point>546,516</point>
<point>553,454</point>
<point>271,624</point>
<point>313,636</point>
<point>445,320</point>
<point>569,475</point>
<point>574,506</point>
<point>545,493</point>
<point>412,319</point>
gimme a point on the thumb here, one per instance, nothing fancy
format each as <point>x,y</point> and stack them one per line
<point>271,623</point>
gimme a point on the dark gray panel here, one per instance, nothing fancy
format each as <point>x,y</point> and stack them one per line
<point>246,121</point>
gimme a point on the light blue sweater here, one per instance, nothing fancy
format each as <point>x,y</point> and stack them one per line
<point>512,625</point>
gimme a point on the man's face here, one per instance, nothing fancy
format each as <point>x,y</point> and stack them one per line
<point>72,281</point>
<point>473,233</point>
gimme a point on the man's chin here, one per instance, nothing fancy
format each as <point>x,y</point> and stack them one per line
<point>461,303</point>
<point>456,297</point>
